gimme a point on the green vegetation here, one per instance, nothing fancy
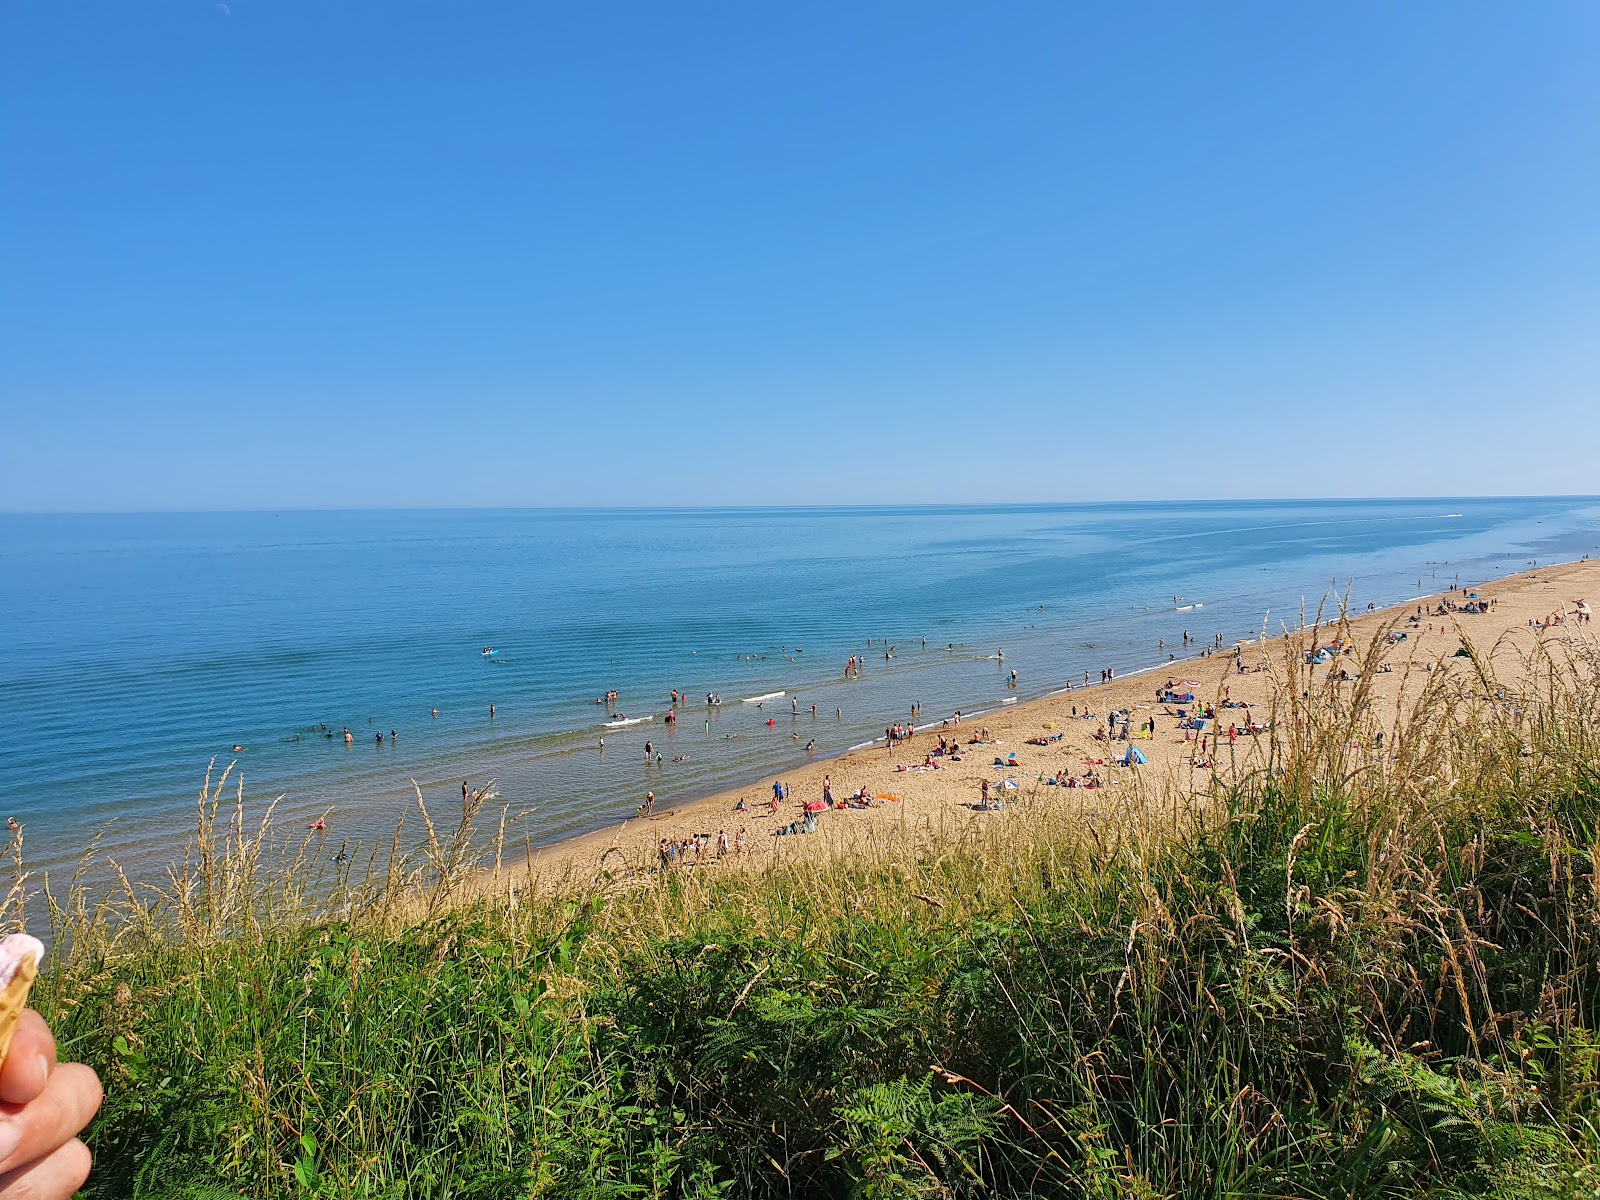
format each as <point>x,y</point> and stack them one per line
<point>1339,974</point>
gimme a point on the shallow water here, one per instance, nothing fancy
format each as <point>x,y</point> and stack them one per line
<point>134,649</point>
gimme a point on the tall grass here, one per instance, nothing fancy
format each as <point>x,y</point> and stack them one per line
<point>1331,971</point>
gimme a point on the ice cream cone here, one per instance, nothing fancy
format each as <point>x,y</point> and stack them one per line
<point>19,966</point>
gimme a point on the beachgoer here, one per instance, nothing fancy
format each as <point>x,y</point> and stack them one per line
<point>649,803</point>
<point>491,710</point>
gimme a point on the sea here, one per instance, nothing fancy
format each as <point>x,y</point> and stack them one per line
<point>140,651</point>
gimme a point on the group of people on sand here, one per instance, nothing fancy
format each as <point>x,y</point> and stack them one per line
<point>1065,778</point>
<point>1581,614</point>
<point>692,850</point>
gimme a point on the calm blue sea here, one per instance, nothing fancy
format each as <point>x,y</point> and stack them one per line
<point>134,649</point>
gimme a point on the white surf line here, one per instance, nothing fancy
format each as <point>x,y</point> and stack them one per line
<point>759,699</point>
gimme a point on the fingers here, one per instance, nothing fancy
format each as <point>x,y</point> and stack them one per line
<point>46,1123</point>
<point>55,1177</point>
<point>30,1061</point>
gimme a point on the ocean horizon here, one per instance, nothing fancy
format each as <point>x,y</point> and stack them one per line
<point>138,649</point>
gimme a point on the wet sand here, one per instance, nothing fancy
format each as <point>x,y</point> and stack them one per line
<point>939,803</point>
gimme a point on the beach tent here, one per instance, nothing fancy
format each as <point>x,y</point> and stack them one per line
<point>1133,757</point>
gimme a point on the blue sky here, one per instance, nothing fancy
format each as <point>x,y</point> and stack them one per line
<point>275,255</point>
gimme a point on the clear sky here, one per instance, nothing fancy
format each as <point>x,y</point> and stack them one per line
<point>267,254</point>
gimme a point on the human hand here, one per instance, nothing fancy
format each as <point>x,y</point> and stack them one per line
<point>43,1107</point>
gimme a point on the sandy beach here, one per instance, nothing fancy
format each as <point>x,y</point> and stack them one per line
<point>938,795</point>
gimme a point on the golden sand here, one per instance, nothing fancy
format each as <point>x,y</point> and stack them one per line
<point>940,803</point>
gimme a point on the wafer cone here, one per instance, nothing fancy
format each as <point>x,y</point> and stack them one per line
<point>13,1000</point>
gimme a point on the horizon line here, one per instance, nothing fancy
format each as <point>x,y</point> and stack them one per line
<point>792,507</point>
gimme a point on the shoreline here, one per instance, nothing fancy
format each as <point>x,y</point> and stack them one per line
<point>935,796</point>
